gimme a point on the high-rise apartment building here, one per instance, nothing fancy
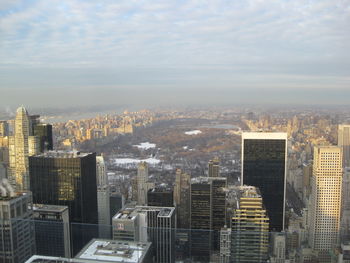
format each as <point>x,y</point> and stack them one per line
<point>344,142</point>
<point>264,158</point>
<point>325,200</point>
<point>16,225</point>
<point>69,179</point>
<point>345,208</point>
<point>52,230</point>
<point>250,227</point>
<point>213,167</point>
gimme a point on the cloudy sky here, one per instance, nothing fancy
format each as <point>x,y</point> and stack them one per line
<point>63,52</point>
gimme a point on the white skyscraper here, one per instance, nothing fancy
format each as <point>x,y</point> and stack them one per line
<point>344,142</point>
<point>21,145</point>
<point>325,200</point>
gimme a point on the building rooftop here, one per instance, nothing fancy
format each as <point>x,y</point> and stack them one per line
<point>62,154</point>
<point>49,208</point>
<point>114,251</point>
<point>130,213</point>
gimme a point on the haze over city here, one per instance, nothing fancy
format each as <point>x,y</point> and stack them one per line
<point>174,52</point>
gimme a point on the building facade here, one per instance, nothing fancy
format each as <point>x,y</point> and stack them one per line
<point>264,159</point>
<point>325,200</point>
<point>344,142</point>
<point>52,230</point>
<point>69,179</point>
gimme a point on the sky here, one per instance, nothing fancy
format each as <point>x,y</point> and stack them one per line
<point>72,52</point>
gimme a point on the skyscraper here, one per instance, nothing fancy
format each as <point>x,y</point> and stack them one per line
<point>344,142</point>
<point>264,158</point>
<point>182,199</point>
<point>44,132</point>
<point>325,200</point>
<point>142,183</point>
<point>68,178</point>
<point>21,145</point>
<point>208,215</point>
<point>52,230</point>
<point>213,167</point>
<point>101,174</point>
<point>250,227</point>
<point>16,225</point>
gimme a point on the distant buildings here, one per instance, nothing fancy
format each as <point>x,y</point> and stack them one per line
<point>52,230</point>
<point>213,167</point>
<point>325,200</point>
<point>69,179</point>
<point>264,159</point>
<point>16,224</point>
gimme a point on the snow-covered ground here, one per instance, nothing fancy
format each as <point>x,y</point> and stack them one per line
<point>131,161</point>
<point>145,145</point>
<point>194,132</point>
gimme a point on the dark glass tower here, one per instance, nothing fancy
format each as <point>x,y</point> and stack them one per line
<point>69,179</point>
<point>264,166</point>
<point>44,133</point>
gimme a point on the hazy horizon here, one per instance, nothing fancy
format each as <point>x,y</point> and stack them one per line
<point>155,53</point>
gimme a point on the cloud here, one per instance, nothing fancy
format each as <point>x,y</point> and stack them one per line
<point>176,42</point>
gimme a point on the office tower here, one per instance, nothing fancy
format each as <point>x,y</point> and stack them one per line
<point>225,245</point>
<point>148,223</point>
<point>345,208</point>
<point>213,167</point>
<point>16,225</point>
<point>344,142</point>
<point>44,133</point>
<point>68,178</point>
<point>160,196</point>
<point>208,215</point>
<point>278,247</point>
<point>325,200</point>
<point>182,199</point>
<point>4,129</point>
<point>52,230</point>
<point>101,171</point>
<point>142,183</point>
<point>264,158</point>
<point>103,208</point>
<point>250,227</point>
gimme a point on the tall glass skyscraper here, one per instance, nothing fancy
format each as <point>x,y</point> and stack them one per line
<point>69,179</point>
<point>264,162</point>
